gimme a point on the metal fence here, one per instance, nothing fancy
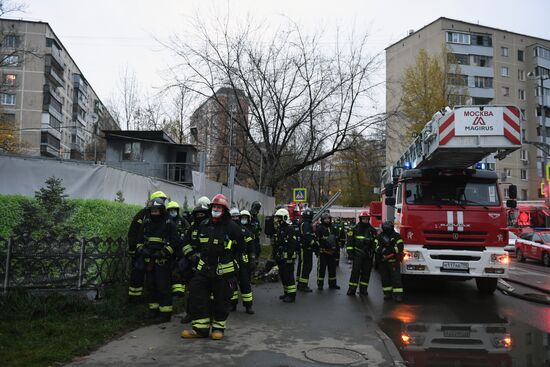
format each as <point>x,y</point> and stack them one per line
<point>62,264</point>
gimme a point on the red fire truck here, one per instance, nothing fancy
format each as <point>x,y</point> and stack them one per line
<point>375,208</point>
<point>452,217</point>
<point>528,215</point>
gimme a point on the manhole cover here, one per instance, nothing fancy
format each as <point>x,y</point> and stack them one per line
<point>341,356</point>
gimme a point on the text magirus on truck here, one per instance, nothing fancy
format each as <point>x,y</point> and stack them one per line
<point>452,215</point>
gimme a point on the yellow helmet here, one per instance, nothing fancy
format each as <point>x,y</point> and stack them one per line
<point>172,205</point>
<point>158,194</point>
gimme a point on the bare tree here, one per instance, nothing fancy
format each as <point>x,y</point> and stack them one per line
<point>128,89</point>
<point>181,102</point>
<point>305,98</point>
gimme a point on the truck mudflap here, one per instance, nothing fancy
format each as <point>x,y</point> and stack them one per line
<point>490,263</point>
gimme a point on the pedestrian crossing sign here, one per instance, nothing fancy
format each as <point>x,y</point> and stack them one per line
<point>299,195</point>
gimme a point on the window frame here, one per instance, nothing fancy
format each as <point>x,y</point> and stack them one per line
<point>504,51</point>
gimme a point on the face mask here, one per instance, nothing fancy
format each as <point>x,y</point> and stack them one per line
<point>244,221</point>
<point>173,214</point>
<point>216,214</point>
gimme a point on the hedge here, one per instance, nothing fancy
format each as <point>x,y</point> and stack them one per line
<point>92,217</point>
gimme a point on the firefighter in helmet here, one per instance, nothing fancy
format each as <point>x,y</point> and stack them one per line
<point>308,247</point>
<point>157,243</point>
<point>327,235</point>
<point>137,271</point>
<point>219,247</point>
<point>243,276</point>
<point>389,254</point>
<point>284,253</point>
<point>361,245</point>
<point>200,213</point>
<point>178,278</point>
<point>255,223</point>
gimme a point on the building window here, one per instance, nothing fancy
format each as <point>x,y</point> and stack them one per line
<point>542,52</point>
<point>508,172</point>
<point>521,75</point>
<point>480,40</point>
<point>521,94</point>
<point>505,91</point>
<point>523,173</point>
<point>504,71</point>
<point>456,37</point>
<point>7,99</point>
<point>459,59</point>
<point>523,135</point>
<point>520,55</point>
<point>524,155</point>
<point>9,79</point>
<point>522,114</point>
<point>483,82</point>
<point>504,51</point>
<point>523,194</point>
<point>482,61</point>
<point>506,196</point>
<point>132,152</point>
<point>457,79</point>
<point>10,41</point>
<point>10,60</point>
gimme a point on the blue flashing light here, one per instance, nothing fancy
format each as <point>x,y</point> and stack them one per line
<point>407,165</point>
<point>480,165</point>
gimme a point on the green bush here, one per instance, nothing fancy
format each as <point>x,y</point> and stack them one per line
<point>91,217</point>
<point>10,213</point>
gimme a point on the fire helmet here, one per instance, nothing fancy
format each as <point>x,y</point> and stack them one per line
<point>283,214</point>
<point>220,200</point>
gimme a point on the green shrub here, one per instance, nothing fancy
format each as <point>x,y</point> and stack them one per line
<point>10,213</point>
<point>91,217</point>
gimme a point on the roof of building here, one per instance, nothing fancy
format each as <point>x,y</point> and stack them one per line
<point>468,23</point>
<point>154,136</point>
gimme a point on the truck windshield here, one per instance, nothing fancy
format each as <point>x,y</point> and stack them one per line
<point>452,191</point>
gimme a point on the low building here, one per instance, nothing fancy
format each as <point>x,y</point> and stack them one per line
<point>151,153</point>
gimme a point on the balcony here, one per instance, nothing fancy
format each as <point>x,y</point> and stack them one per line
<point>80,84</point>
<point>81,103</point>
<point>49,144</point>
<point>473,70</point>
<point>54,57</point>
<point>481,92</point>
<point>55,113</point>
<point>51,125</point>
<point>470,49</point>
<point>54,77</point>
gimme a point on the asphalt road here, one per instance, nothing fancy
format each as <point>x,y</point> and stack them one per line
<point>439,324</point>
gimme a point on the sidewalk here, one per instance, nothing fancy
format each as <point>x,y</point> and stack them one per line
<point>325,327</point>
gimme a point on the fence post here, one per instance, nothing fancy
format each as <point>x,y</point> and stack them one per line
<point>8,256</point>
<point>81,263</point>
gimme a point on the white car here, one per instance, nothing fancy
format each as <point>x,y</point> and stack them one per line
<point>511,246</point>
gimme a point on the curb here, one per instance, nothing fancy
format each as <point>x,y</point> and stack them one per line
<point>392,350</point>
<point>507,289</point>
<point>537,288</point>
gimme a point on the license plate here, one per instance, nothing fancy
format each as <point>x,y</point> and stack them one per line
<point>455,266</point>
<point>456,333</point>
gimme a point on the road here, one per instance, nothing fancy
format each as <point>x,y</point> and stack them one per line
<point>447,323</point>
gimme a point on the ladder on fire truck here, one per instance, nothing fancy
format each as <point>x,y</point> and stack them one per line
<point>460,138</point>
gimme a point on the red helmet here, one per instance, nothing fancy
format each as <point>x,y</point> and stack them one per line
<point>220,200</point>
<point>364,213</point>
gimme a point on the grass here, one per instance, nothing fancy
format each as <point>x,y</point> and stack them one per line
<point>45,330</point>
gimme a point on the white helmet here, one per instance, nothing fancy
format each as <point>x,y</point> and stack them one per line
<point>245,212</point>
<point>283,213</point>
<point>203,201</point>
<point>234,212</point>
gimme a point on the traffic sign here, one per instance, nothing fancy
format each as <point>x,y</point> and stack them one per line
<point>547,170</point>
<point>299,195</point>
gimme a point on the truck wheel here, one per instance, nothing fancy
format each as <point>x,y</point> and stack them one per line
<point>486,285</point>
<point>519,256</point>
<point>546,259</point>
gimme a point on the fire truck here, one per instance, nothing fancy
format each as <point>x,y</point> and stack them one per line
<point>450,213</point>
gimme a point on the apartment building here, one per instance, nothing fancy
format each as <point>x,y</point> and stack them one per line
<point>46,97</point>
<point>495,67</point>
<point>217,130</point>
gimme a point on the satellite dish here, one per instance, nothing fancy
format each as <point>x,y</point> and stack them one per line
<point>93,118</point>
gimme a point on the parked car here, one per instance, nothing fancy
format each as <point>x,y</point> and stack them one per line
<point>535,246</point>
<point>511,246</point>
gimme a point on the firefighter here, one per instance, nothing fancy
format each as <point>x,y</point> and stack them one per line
<point>178,276</point>
<point>389,252</point>
<point>327,236</point>
<point>157,243</point>
<point>284,253</point>
<point>307,248</point>
<point>254,247</point>
<point>137,271</point>
<point>361,245</point>
<point>200,213</point>
<point>243,276</point>
<point>219,247</point>
<point>255,222</point>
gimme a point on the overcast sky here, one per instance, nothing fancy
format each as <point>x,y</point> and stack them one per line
<point>103,36</point>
